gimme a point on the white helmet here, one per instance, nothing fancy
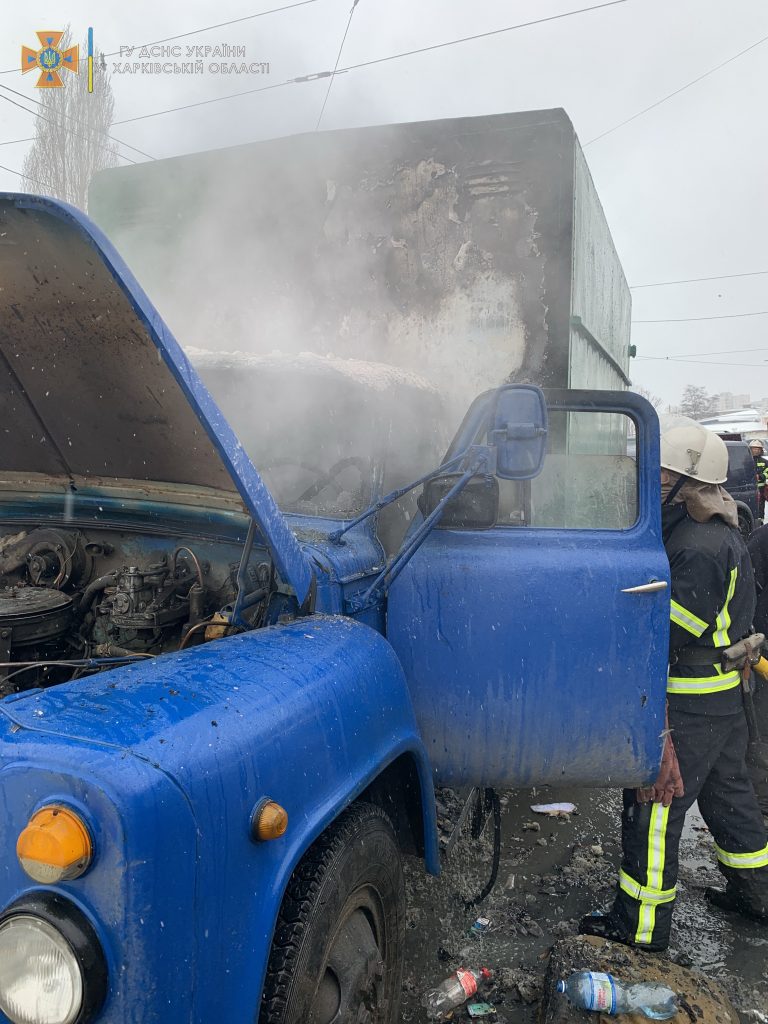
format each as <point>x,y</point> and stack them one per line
<point>692,450</point>
<point>757,443</point>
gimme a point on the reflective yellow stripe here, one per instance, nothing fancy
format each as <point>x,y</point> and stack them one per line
<point>715,683</point>
<point>743,860</point>
<point>657,847</point>
<point>723,620</point>
<point>646,922</point>
<point>643,893</point>
<point>682,617</point>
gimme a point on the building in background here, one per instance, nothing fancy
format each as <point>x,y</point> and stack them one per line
<point>726,401</point>
<point>738,423</point>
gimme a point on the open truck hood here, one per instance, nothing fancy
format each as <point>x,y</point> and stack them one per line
<point>94,387</point>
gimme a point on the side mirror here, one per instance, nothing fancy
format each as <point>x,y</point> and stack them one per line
<point>518,431</point>
<point>475,507</point>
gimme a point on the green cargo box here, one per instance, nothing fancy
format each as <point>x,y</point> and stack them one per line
<point>471,250</point>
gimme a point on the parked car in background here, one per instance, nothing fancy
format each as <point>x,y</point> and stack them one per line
<point>742,485</point>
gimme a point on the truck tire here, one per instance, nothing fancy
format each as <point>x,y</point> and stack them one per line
<point>337,952</point>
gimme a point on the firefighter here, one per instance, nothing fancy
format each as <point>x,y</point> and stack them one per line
<point>761,472</point>
<point>757,755</point>
<point>713,601</point>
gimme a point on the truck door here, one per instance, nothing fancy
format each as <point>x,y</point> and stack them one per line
<point>536,648</point>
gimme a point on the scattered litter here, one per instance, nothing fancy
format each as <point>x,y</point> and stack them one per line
<point>597,850</point>
<point>480,927</point>
<point>602,993</point>
<point>541,842</point>
<point>454,991</point>
<point>554,810</point>
<point>531,826</point>
<point>481,1010</point>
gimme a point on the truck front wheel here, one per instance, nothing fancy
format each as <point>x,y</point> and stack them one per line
<point>337,954</point>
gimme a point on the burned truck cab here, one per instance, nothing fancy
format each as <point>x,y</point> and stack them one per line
<point>238,653</point>
<point>136,535</point>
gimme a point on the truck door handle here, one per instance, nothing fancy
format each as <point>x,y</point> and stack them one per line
<point>646,588</point>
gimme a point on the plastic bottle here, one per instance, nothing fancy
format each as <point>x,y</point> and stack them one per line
<point>453,992</point>
<point>590,990</point>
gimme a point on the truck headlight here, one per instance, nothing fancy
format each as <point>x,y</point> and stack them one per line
<point>52,967</point>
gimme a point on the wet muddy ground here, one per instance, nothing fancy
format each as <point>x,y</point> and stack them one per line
<point>549,877</point>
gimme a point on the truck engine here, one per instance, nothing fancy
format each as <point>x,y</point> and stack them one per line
<point>74,601</point>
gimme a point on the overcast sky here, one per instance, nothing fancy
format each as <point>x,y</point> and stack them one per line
<point>684,187</point>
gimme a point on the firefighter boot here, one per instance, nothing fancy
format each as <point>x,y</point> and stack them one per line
<point>745,893</point>
<point>613,928</point>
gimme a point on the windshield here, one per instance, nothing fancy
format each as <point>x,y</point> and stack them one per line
<point>314,439</point>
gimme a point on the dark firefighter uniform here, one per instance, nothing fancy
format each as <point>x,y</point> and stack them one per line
<point>761,475</point>
<point>757,759</point>
<point>713,602</point>
<point>761,470</point>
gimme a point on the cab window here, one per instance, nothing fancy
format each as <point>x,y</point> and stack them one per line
<point>588,482</point>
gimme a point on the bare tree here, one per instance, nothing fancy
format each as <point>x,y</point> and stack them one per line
<point>71,135</point>
<point>648,396</point>
<point>696,402</point>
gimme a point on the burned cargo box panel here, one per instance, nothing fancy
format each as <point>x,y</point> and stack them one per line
<point>462,248</point>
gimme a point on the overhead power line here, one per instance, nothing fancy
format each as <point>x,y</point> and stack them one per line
<point>221,24</point>
<point>220,99</point>
<point>12,142</point>
<point>68,117</point>
<point>480,35</point>
<point>699,355</point>
<point>695,280</point>
<point>58,124</point>
<point>700,362</point>
<point>314,76</point>
<point>676,92</point>
<point>335,66</point>
<point>198,31</point>
<point>687,319</point>
<point>21,174</point>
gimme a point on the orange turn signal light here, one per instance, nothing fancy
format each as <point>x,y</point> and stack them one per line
<point>55,846</point>
<point>270,821</point>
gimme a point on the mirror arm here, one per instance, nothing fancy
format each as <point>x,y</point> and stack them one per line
<point>335,537</point>
<point>482,458</point>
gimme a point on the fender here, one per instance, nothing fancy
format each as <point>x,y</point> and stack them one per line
<point>146,850</point>
<point>307,713</point>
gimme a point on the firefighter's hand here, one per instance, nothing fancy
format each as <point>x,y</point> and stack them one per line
<point>669,781</point>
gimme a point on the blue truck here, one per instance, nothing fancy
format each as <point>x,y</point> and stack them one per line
<point>223,719</point>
